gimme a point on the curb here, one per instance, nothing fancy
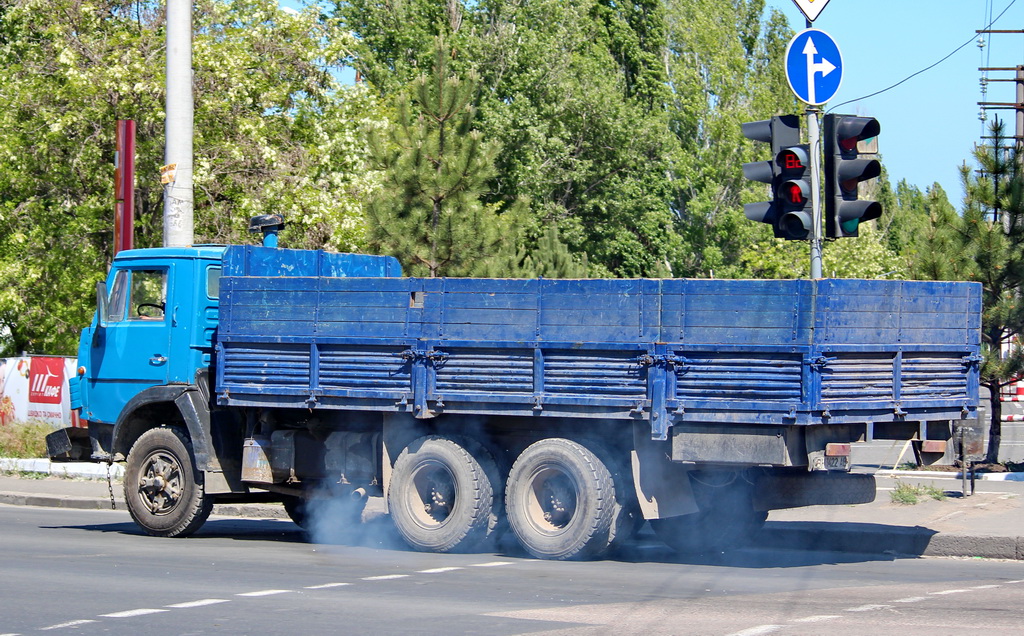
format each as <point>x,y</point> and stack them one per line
<point>252,511</point>
<point>887,540</point>
<point>56,501</point>
<point>934,474</point>
<point>87,470</point>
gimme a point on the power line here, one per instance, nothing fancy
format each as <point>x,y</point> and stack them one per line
<point>927,68</point>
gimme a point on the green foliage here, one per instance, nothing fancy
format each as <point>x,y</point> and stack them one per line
<point>24,440</point>
<point>274,133</point>
<point>619,123</point>
<point>428,211</point>
<point>550,259</point>
<point>985,243</point>
<point>909,495</point>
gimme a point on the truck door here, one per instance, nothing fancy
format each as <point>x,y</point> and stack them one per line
<point>131,352</point>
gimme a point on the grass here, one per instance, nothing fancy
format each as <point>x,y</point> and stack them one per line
<point>25,474</point>
<point>908,495</point>
<point>24,440</point>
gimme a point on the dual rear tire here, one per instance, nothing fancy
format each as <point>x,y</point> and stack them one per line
<point>561,499</point>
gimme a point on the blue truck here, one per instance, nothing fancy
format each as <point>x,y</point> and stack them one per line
<point>565,412</point>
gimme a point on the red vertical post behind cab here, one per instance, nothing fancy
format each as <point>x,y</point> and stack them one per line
<point>124,185</point>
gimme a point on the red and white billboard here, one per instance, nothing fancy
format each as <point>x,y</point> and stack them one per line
<point>36,388</point>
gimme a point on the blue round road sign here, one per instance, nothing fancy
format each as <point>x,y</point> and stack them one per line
<point>814,66</point>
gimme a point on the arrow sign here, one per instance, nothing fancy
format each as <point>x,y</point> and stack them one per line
<point>814,66</point>
<point>810,8</point>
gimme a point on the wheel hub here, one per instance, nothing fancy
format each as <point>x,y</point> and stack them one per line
<point>160,483</point>
<point>434,493</point>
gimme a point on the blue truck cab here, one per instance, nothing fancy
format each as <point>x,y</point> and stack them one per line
<point>158,311</point>
<point>576,410</point>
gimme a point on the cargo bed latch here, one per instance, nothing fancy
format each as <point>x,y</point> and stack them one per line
<point>972,360</point>
<point>437,357</point>
<point>819,362</point>
<point>668,360</point>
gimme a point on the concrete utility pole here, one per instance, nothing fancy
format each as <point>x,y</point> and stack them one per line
<point>814,141</point>
<point>178,215</point>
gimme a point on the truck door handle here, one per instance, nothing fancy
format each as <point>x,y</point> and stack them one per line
<point>158,359</point>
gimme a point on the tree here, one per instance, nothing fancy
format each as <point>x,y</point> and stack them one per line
<point>428,212</point>
<point>274,133</point>
<point>985,243</point>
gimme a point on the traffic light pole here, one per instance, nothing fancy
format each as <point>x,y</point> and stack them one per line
<point>814,141</point>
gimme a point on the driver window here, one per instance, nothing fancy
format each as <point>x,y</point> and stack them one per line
<point>118,294</point>
<point>148,295</point>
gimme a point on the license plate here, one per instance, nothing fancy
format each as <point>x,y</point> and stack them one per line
<point>841,462</point>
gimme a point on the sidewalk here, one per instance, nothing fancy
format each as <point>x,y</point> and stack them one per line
<point>988,524</point>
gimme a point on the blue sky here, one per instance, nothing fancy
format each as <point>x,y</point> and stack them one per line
<point>930,123</point>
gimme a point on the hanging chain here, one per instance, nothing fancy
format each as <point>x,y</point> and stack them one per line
<point>110,488</point>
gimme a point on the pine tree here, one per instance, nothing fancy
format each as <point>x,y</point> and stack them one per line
<point>550,259</point>
<point>986,244</point>
<point>428,212</point>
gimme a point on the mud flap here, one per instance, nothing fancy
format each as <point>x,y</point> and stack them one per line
<point>662,486</point>
<point>58,443</point>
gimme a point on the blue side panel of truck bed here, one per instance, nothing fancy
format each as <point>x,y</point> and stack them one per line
<point>297,331</point>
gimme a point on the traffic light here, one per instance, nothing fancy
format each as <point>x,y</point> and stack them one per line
<point>846,143</point>
<point>789,211</point>
<point>793,193</point>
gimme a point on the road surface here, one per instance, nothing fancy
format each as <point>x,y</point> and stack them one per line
<point>91,572</point>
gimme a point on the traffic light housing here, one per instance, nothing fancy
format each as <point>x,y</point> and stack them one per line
<point>848,162</point>
<point>788,174</point>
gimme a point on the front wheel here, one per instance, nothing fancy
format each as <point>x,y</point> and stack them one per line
<point>162,487</point>
<point>560,500</point>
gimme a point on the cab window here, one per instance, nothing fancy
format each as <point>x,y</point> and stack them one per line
<point>139,294</point>
<point>148,294</point>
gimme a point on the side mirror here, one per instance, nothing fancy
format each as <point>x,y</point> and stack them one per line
<point>101,304</point>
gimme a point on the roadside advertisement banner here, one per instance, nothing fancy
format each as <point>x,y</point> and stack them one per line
<point>36,388</point>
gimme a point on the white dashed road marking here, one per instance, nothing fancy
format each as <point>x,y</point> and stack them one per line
<point>215,601</point>
<point>142,611</point>
<point>758,631</point>
<point>867,608</point>
<point>815,619</point>
<point>201,603</point>
<point>944,592</point>
<point>492,564</point>
<point>63,625</point>
<point>910,599</point>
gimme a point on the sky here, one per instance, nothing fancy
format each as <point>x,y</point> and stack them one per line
<point>930,123</point>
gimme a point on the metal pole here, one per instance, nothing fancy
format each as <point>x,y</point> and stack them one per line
<point>1019,130</point>
<point>124,185</point>
<point>178,216</point>
<point>814,142</point>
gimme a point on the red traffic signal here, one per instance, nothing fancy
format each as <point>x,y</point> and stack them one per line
<point>847,163</point>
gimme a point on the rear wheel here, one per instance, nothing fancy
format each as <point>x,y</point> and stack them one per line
<point>560,500</point>
<point>163,489</point>
<point>442,495</point>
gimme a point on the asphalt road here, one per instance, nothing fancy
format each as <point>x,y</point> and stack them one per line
<point>91,572</point>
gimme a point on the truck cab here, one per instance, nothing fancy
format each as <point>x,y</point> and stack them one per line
<point>156,317</point>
